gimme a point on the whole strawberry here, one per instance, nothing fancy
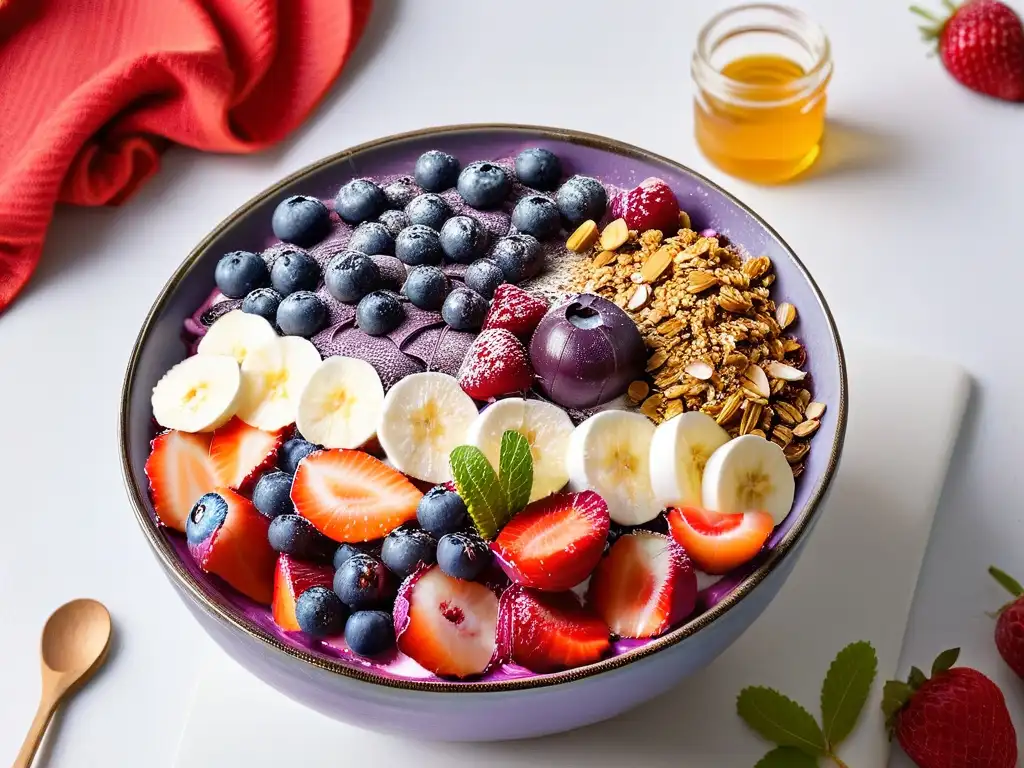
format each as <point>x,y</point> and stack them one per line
<point>982,46</point>
<point>955,719</point>
<point>1010,623</point>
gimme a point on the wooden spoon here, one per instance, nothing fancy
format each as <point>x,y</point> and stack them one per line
<point>75,642</point>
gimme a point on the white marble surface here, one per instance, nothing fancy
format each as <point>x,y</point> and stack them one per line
<point>910,227</point>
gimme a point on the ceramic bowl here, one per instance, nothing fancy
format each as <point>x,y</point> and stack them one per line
<point>496,707</point>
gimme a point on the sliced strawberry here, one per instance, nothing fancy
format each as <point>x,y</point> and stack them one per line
<point>180,471</point>
<point>241,453</point>
<point>291,578</point>
<point>446,625</point>
<point>515,310</point>
<point>228,538</point>
<point>351,496</point>
<point>651,205</point>
<point>555,542</point>
<point>717,543</point>
<point>644,586</point>
<point>496,364</point>
<point>549,631</point>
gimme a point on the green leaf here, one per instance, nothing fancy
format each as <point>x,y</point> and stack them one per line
<point>478,486</point>
<point>780,719</point>
<point>845,690</point>
<point>917,678</point>
<point>945,661</point>
<point>515,471</point>
<point>787,757</point>
<point>1007,581</point>
<point>895,693</point>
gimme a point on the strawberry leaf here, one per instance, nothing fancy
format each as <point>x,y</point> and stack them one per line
<point>515,471</point>
<point>895,694</point>
<point>1007,581</point>
<point>945,661</point>
<point>845,690</point>
<point>917,678</point>
<point>787,757</point>
<point>477,484</point>
<point>780,719</point>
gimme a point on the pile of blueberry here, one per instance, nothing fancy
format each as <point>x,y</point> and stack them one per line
<point>366,576</point>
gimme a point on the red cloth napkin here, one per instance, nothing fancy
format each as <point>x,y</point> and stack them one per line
<point>92,90</point>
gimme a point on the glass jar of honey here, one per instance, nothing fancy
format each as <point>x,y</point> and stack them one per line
<point>761,72</point>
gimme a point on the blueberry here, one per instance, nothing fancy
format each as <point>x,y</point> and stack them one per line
<point>292,452</point>
<point>400,191</point>
<point>427,287</point>
<point>436,171</point>
<point>519,256</point>
<point>371,238</point>
<point>302,220</point>
<point>343,553</point>
<point>351,275</point>
<point>295,535</point>
<point>464,310</point>
<point>363,582</point>
<point>484,185</point>
<point>418,244</point>
<point>320,613</point>
<point>379,313</point>
<point>484,276</point>
<point>463,239</point>
<point>538,168</point>
<point>581,198</point>
<point>392,272</point>
<point>207,515</point>
<point>272,495</point>
<point>360,200</point>
<point>294,271</point>
<point>369,633</point>
<point>301,314</point>
<point>441,511</point>
<point>538,216</point>
<point>463,555</point>
<point>239,273</point>
<point>429,209</point>
<point>262,302</point>
<point>406,549</point>
<point>395,221</point>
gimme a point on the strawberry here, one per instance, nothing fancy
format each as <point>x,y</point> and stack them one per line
<point>981,44</point>
<point>955,719</point>
<point>496,364</point>
<point>549,631</point>
<point>644,586</point>
<point>350,496</point>
<point>515,310</point>
<point>651,205</point>
<point>554,543</point>
<point>716,542</point>
<point>241,453</point>
<point>1010,623</point>
<point>291,578</point>
<point>180,470</point>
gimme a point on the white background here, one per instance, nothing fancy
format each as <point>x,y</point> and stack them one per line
<point>910,225</point>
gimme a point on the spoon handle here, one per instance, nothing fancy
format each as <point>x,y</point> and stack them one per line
<point>47,705</point>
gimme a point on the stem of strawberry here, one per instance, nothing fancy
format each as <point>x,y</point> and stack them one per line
<point>1006,581</point>
<point>924,13</point>
<point>838,761</point>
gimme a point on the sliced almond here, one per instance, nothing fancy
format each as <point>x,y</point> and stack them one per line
<point>756,376</point>
<point>699,369</point>
<point>814,410</point>
<point>640,297</point>
<point>785,314</point>
<point>754,268</point>
<point>785,372</point>
<point>796,452</point>
<point>655,361</point>
<point>806,428</point>
<point>788,414</point>
<point>614,235</point>
<point>657,263</point>
<point>673,408</point>
<point>651,406</point>
<point>638,390</point>
<point>751,418</point>
<point>636,278</point>
<point>699,281</point>
<point>583,238</point>
<point>730,408</point>
<point>684,220</point>
<point>732,300</point>
<point>603,259</point>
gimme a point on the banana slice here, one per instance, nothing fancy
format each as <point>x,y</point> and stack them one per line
<point>273,378</point>
<point>341,404</point>
<point>546,426</point>
<point>749,474</point>
<point>680,449</point>
<point>609,453</point>
<point>199,394</point>
<point>236,334</point>
<point>425,416</point>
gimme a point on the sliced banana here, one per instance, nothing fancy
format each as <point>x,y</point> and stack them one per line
<point>425,416</point>
<point>341,404</point>
<point>680,449</point>
<point>547,427</point>
<point>236,334</point>
<point>273,378</point>
<point>609,453</point>
<point>199,394</point>
<point>749,474</point>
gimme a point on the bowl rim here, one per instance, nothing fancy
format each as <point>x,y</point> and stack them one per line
<point>226,615</point>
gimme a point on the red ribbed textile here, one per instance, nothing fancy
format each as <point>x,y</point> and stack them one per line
<point>91,91</point>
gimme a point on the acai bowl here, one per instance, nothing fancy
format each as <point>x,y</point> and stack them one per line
<point>326,448</point>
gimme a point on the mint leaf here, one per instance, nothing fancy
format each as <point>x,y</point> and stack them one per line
<point>780,719</point>
<point>515,471</point>
<point>845,690</point>
<point>945,661</point>
<point>787,757</point>
<point>478,485</point>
